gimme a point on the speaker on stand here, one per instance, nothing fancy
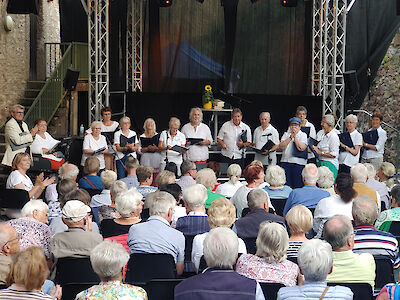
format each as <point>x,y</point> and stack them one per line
<point>70,82</point>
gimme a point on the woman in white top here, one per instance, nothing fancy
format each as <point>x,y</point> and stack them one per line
<point>168,139</point>
<point>19,180</point>
<point>337,204</point>
<point>328,148</point>
<point>220,214</point>
<point>43,143</point>
<point>228,189</point>
<point>93,142</point>
<point>262,134</point>
<point>151,156</point>
<point>350,156</point>
<point>107,125</point>
<point>126,143</point>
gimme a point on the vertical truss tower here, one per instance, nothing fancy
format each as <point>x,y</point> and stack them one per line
<point>328,55</point>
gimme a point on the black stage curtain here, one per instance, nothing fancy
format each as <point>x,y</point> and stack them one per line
<point>73,21</point>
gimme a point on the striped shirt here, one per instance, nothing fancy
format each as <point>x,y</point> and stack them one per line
<point>294,247</point>
<point>18,293</point>
<point>368,239</point>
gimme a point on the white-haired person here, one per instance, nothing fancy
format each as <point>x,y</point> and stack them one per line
<point>127,143</point>
<point>198,152</point>
<point>386,217</point>
<point>276,179</point>
<point>350,155</point>
<point>326,180</point>
<point>110,211</point>
<point>207,178</point>
<point>151,156</point>
<point>385,174</point>
<point>328,147</point>
<point>33,227</point>
<point>359,173</point>
<point>219,281</point>
<point>220,214</point>
<point>261,136</point>
<point>108,260</point>
<point>91,181</point>
<point>95,144</point>
<point>229,188</point>
<point>380,187</point>
<point>168,139</point>
<point>108,178</point>
<point>189,172</point>
<point>299,220</point>
<point>269,264</point>
<point>129,206</point>
<point>315,260</point>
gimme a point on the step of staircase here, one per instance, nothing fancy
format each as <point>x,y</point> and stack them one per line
<point>36,85</point>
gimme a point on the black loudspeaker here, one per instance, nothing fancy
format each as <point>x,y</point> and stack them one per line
<point>352,88</point>
<point>71,79</point>
<point>289,3</point>
<point>22,7</point>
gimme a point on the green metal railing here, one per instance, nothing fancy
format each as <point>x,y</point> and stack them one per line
<point>50,97</point>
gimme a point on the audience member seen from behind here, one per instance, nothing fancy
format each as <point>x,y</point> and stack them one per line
<point>270,263</point>
<point>385,174</point>
<point>359,173</point>
<point>219,281</point>
<point>189,172</point>
<point>94,143</point>
<point>179,210</point>
<point>28,272</point>
<point>67,171</point>
<point>19,180</point>
<point>172,167</point>
<point>276,178</point>
<point>165,177</point>
<point>108,260</point>
<point>91,180</point>
<point>315,262</point>
<point>220,214</point>
<point>145,178</point>
<point>386,217</point>
<point>131,166</point>
<point>109,211</point>
<point>380,187</point>
<point>9,241</point>
<point>326,181</point>
<point>108,178</point>
<point>229,188</point>
<point>207,178</point>
<point>339,203</point>
<point>299,220</point>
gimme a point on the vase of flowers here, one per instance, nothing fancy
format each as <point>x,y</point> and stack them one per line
<point>207,97</point>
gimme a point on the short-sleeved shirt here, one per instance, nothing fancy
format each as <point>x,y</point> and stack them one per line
<point>131,181</point>
<point>260,138</point>
<point>308,195</point>
<point>112,290</point>
<point>156,236</point>
<point>114,126</point>
<point>197,152</point>
<point>228,189</point>
<point>380,146</point>
<point>16,178</point>
<point>179,139</point>
<point>230,134</point>
<point>345,157</point>
<point>89,143</point>
<point>330,143</point>
<point>287,153</point>
<point>117,140</point>
<point>94,180</point>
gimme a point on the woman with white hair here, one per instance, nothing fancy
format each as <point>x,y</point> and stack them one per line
<point>126,143</point>
<point>229,188</point>
<point>276,178</point>
<point>385,174</point>
<point>270,263</point>
<point>328,147</point>
<point>151,156</point>
<point>129,205</point>
<point>325,181</point>
<point>350,155</point>
<point>94,143</point>
<point>207,178</point>
<point>32,226</point>
<point>109,211</point>
<point>168,139</point>
<point>108,178</point>
<point>108,260</point>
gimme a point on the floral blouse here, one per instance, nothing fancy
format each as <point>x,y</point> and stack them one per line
<point>260,269</point>
<point>112,290</point>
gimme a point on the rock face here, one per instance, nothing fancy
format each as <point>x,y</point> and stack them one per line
<point>385,98</point>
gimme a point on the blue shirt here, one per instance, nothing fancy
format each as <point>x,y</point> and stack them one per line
<point>314,290</point>
<point>145,190</point>
<point>130,181</point>
<point>156,236</point>
<point>280,193</point>
<point>308,195</point>
<point>94,179</point>
<point>104,198</point>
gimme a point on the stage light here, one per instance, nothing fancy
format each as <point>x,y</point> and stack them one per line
<point>165,3</point>
<point>289,3</point>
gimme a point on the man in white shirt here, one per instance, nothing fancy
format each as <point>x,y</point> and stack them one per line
<point>198,153</point>
<point>229,137</point>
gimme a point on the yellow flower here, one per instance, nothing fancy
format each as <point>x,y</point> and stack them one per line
<point>207,87</point>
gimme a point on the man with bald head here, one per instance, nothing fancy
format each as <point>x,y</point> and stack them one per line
<point>9,241</point>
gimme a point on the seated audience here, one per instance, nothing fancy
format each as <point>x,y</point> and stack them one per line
<point>270,263</point>
<point>179,210</point>
<point>108,260</point>
<point>325,181</point>
<point>67,171</point>
<point>207,178</point>
<point>389,292</point>
<point>145,178</point>
<point>276,178</point>
<point>229,188</point>
<point>309,195</point>
<point>156,235</point>
<point>165,177</point>
<point>247,226</point>
<point>28,273</point>
<point>129,206</point>
<point>220,214</point>
<point>109,211</point>
<point>188,171</point>
<point>19,180</point>
<point>9,239</point>
<point>380,187</point>
<point>385,174</point>
<point>367,238</point>
<point>91,180</point>
<point>32,226</point>
<point>131,179</point>
<point>339,203</point>
<point>299,220</point>
<point>359,173</point>
<point>94,144</point>
<point>386,217</point>
<point>348,266</point>
<point>63,187</point>
<point>315,262</point>
<point>219,281</point>
<point>108,178</point>
<point>172,167</point>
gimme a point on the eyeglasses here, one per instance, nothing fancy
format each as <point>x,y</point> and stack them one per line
<point>106,114</point>
<point>16,238</point>
<point>19,112</point>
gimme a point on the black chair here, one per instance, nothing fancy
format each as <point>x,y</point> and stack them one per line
<point>93,192</point>
<point>384,272</point>
<point>188,254</point>
<point>143,267</point>
<point>279,205</point>
<point>250,245</point>
<point>70,290</point>
<point>270,290</point>
<point>160,289</point>
<point>361,291</point>
<point>40,164</point>
<point>202,265</point>
<point>13,198</point>
<point>395,228</point>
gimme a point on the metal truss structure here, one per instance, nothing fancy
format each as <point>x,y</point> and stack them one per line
<point>328,55</point>
<point>134,45</point>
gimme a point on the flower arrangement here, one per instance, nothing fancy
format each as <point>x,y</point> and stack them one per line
<point>207,97</point>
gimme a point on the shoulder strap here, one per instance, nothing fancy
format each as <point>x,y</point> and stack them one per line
<point>324,293</point>
<point>90,183</point>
